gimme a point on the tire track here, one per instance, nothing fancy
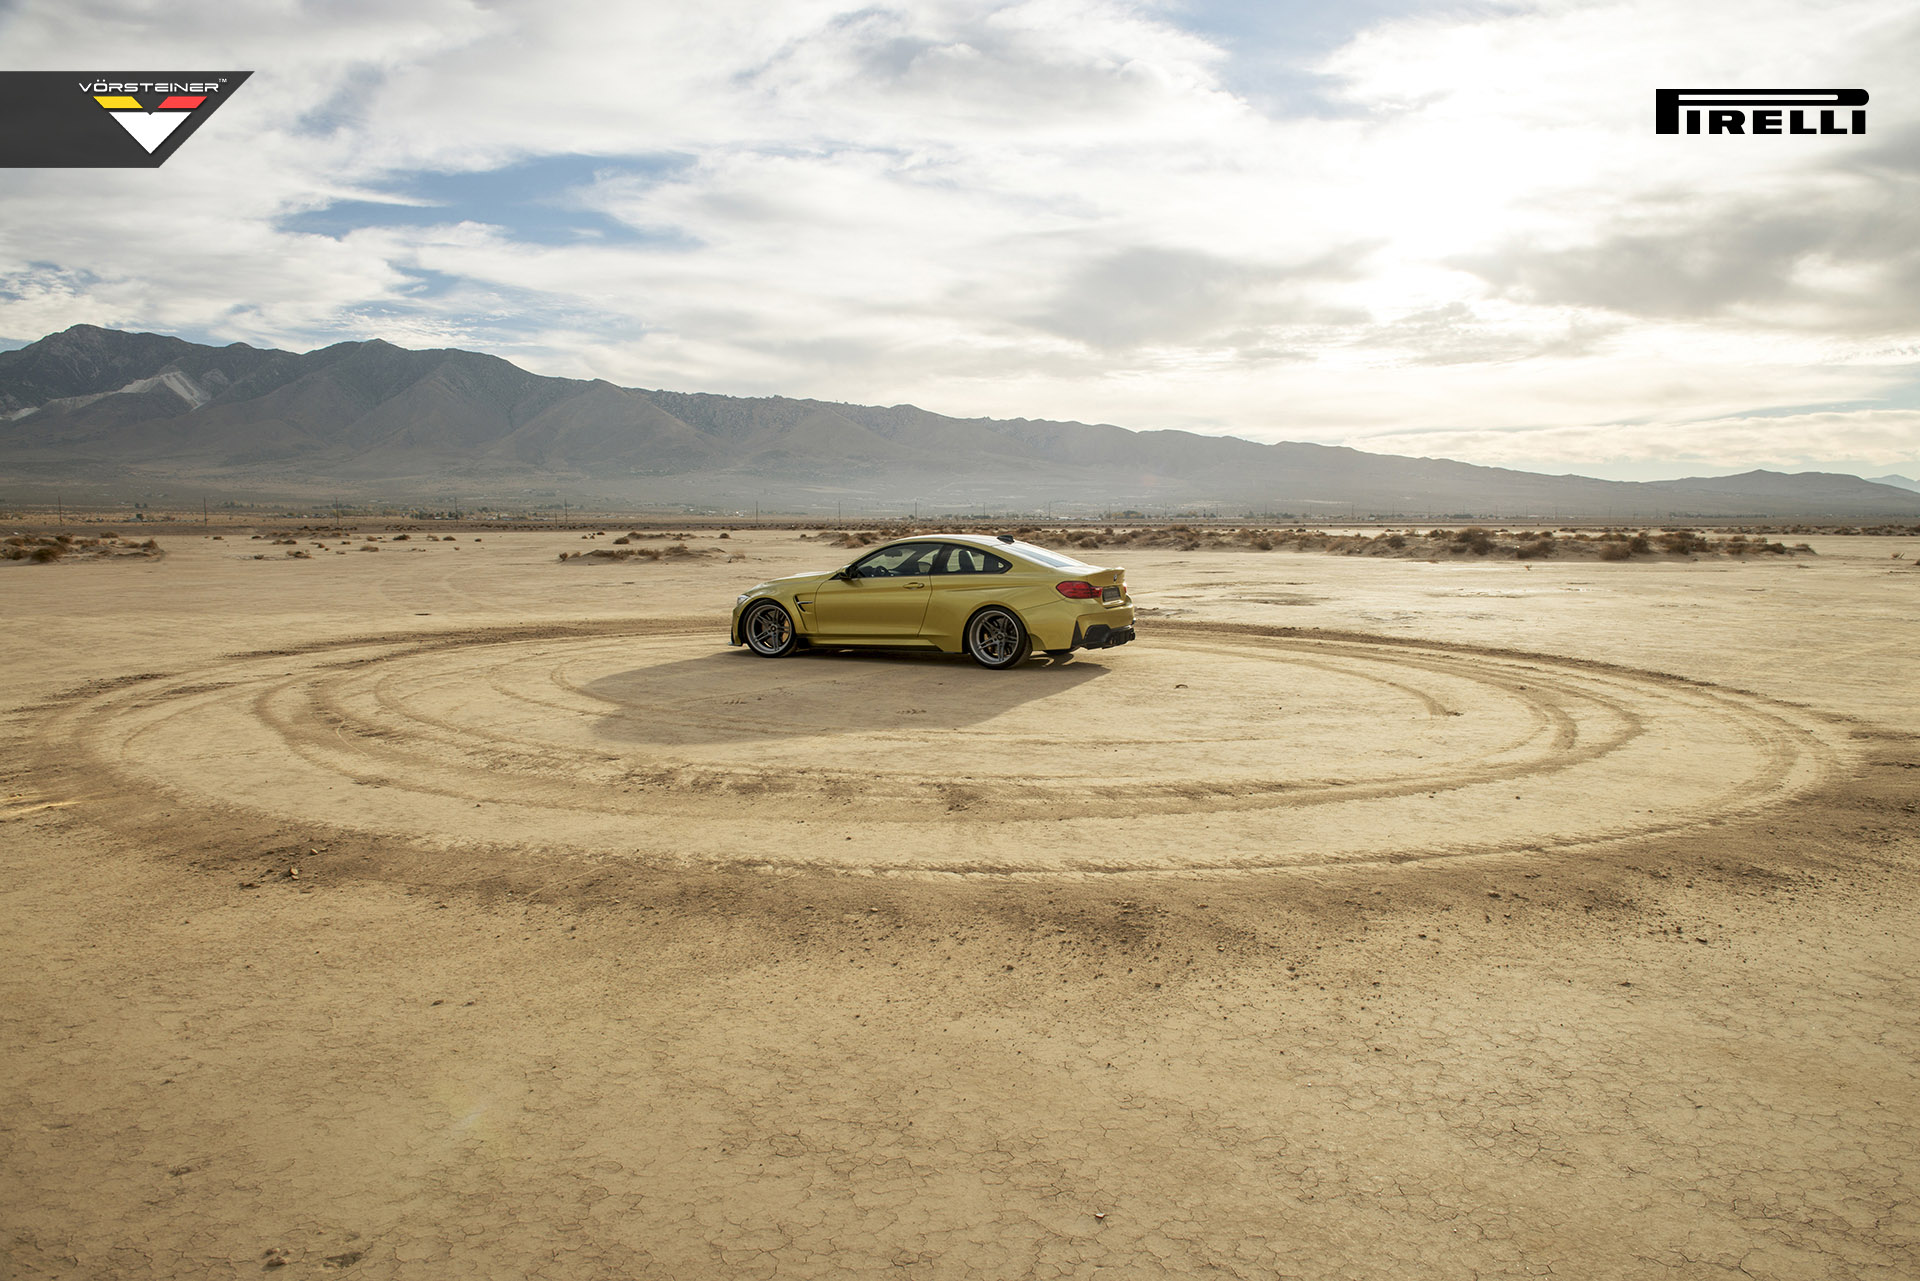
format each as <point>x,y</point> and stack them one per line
<point>1207,747</point>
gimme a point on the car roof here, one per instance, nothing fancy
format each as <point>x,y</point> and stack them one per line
<point>978,540</point>
<point>1007,546</point>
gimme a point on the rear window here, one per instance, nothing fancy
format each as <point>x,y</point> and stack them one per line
<point>1054,560</point>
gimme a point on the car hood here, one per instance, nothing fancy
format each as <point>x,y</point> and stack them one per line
<point>797,582</point>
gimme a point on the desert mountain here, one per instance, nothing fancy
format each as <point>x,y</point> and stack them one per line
<point>123,413</point>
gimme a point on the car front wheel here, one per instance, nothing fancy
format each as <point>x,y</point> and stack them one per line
<point>768,631</point>
<point>997,638</point>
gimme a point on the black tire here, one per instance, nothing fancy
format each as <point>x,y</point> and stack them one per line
<point>996,638</point>
<point>768,630</point>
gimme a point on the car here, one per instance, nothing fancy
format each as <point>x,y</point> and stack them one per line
<point>992,597</point>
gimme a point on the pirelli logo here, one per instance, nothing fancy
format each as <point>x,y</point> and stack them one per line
<point>1744,111</point>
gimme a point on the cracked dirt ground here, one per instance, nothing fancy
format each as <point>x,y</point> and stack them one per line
<point>458,914</point>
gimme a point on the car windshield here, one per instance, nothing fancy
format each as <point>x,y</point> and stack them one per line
<point>1054,560</point>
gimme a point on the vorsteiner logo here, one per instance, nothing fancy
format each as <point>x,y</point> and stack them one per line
<point>114,120</point>
<point>1759,110</point>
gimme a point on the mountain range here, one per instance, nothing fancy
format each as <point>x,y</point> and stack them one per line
<point>113,414</point>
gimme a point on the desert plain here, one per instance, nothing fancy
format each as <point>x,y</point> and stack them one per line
<point>450,910</point>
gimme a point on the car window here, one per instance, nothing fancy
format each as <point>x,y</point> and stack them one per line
<point>909,560</point>
<point>1056,560</point>
<point>969,560</point>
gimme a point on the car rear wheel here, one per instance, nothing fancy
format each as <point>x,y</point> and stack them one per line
<point>768,631</point>
<point>997,638</point>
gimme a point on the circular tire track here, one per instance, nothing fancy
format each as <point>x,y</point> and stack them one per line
<point>1207,747</point>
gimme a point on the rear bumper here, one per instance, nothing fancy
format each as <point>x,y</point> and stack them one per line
<point>1101,636</point>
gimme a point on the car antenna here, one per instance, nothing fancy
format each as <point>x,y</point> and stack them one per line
<point>1005,538</point>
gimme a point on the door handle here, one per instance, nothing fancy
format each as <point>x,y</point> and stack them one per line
<point>916,584</point>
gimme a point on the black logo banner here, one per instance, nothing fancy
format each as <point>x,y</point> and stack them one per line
<point>1743,111</point>
<point>105,119</point>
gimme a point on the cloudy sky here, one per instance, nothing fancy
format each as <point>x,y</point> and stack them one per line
<point>1424,228</point>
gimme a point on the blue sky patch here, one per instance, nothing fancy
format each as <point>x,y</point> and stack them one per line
<point>534,202</point>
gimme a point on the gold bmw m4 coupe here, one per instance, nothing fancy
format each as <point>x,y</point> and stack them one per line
<point>993,597</point>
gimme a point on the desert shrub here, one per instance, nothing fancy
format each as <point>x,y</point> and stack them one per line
<point>1396,541</point>
<point>725,534</point>
<point>65,540</point>
<point>1638,545</point>
<point>621,541</point>
<point>401,538</point>
<point>1615,551</point>
<point>48,552</point>
<point>1474,539</point>
<point>1263,543</point>
<point>1682,542</point>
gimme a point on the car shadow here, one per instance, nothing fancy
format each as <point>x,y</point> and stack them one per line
<point>737,696</point>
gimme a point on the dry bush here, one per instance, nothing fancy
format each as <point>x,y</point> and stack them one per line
<point>1615,551</point>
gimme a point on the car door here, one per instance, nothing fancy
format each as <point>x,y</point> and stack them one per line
<point>964,578</point>
<point>882,597</point>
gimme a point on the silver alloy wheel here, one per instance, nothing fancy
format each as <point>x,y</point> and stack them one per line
<point>995,638</point>
<point>768,630</point>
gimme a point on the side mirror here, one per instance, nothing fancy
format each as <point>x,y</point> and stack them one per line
<point>842,575</point>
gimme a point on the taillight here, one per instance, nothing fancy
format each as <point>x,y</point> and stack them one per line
<point>1077,590</point>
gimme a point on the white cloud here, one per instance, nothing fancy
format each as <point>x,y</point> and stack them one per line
<point>1052,208</point>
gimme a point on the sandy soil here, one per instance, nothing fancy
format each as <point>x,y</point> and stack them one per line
<point>453,911</point>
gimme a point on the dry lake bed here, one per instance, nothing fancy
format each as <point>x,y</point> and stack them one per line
<point>449,910</point>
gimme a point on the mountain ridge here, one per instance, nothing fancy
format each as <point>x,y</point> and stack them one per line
<point>115,410</point>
